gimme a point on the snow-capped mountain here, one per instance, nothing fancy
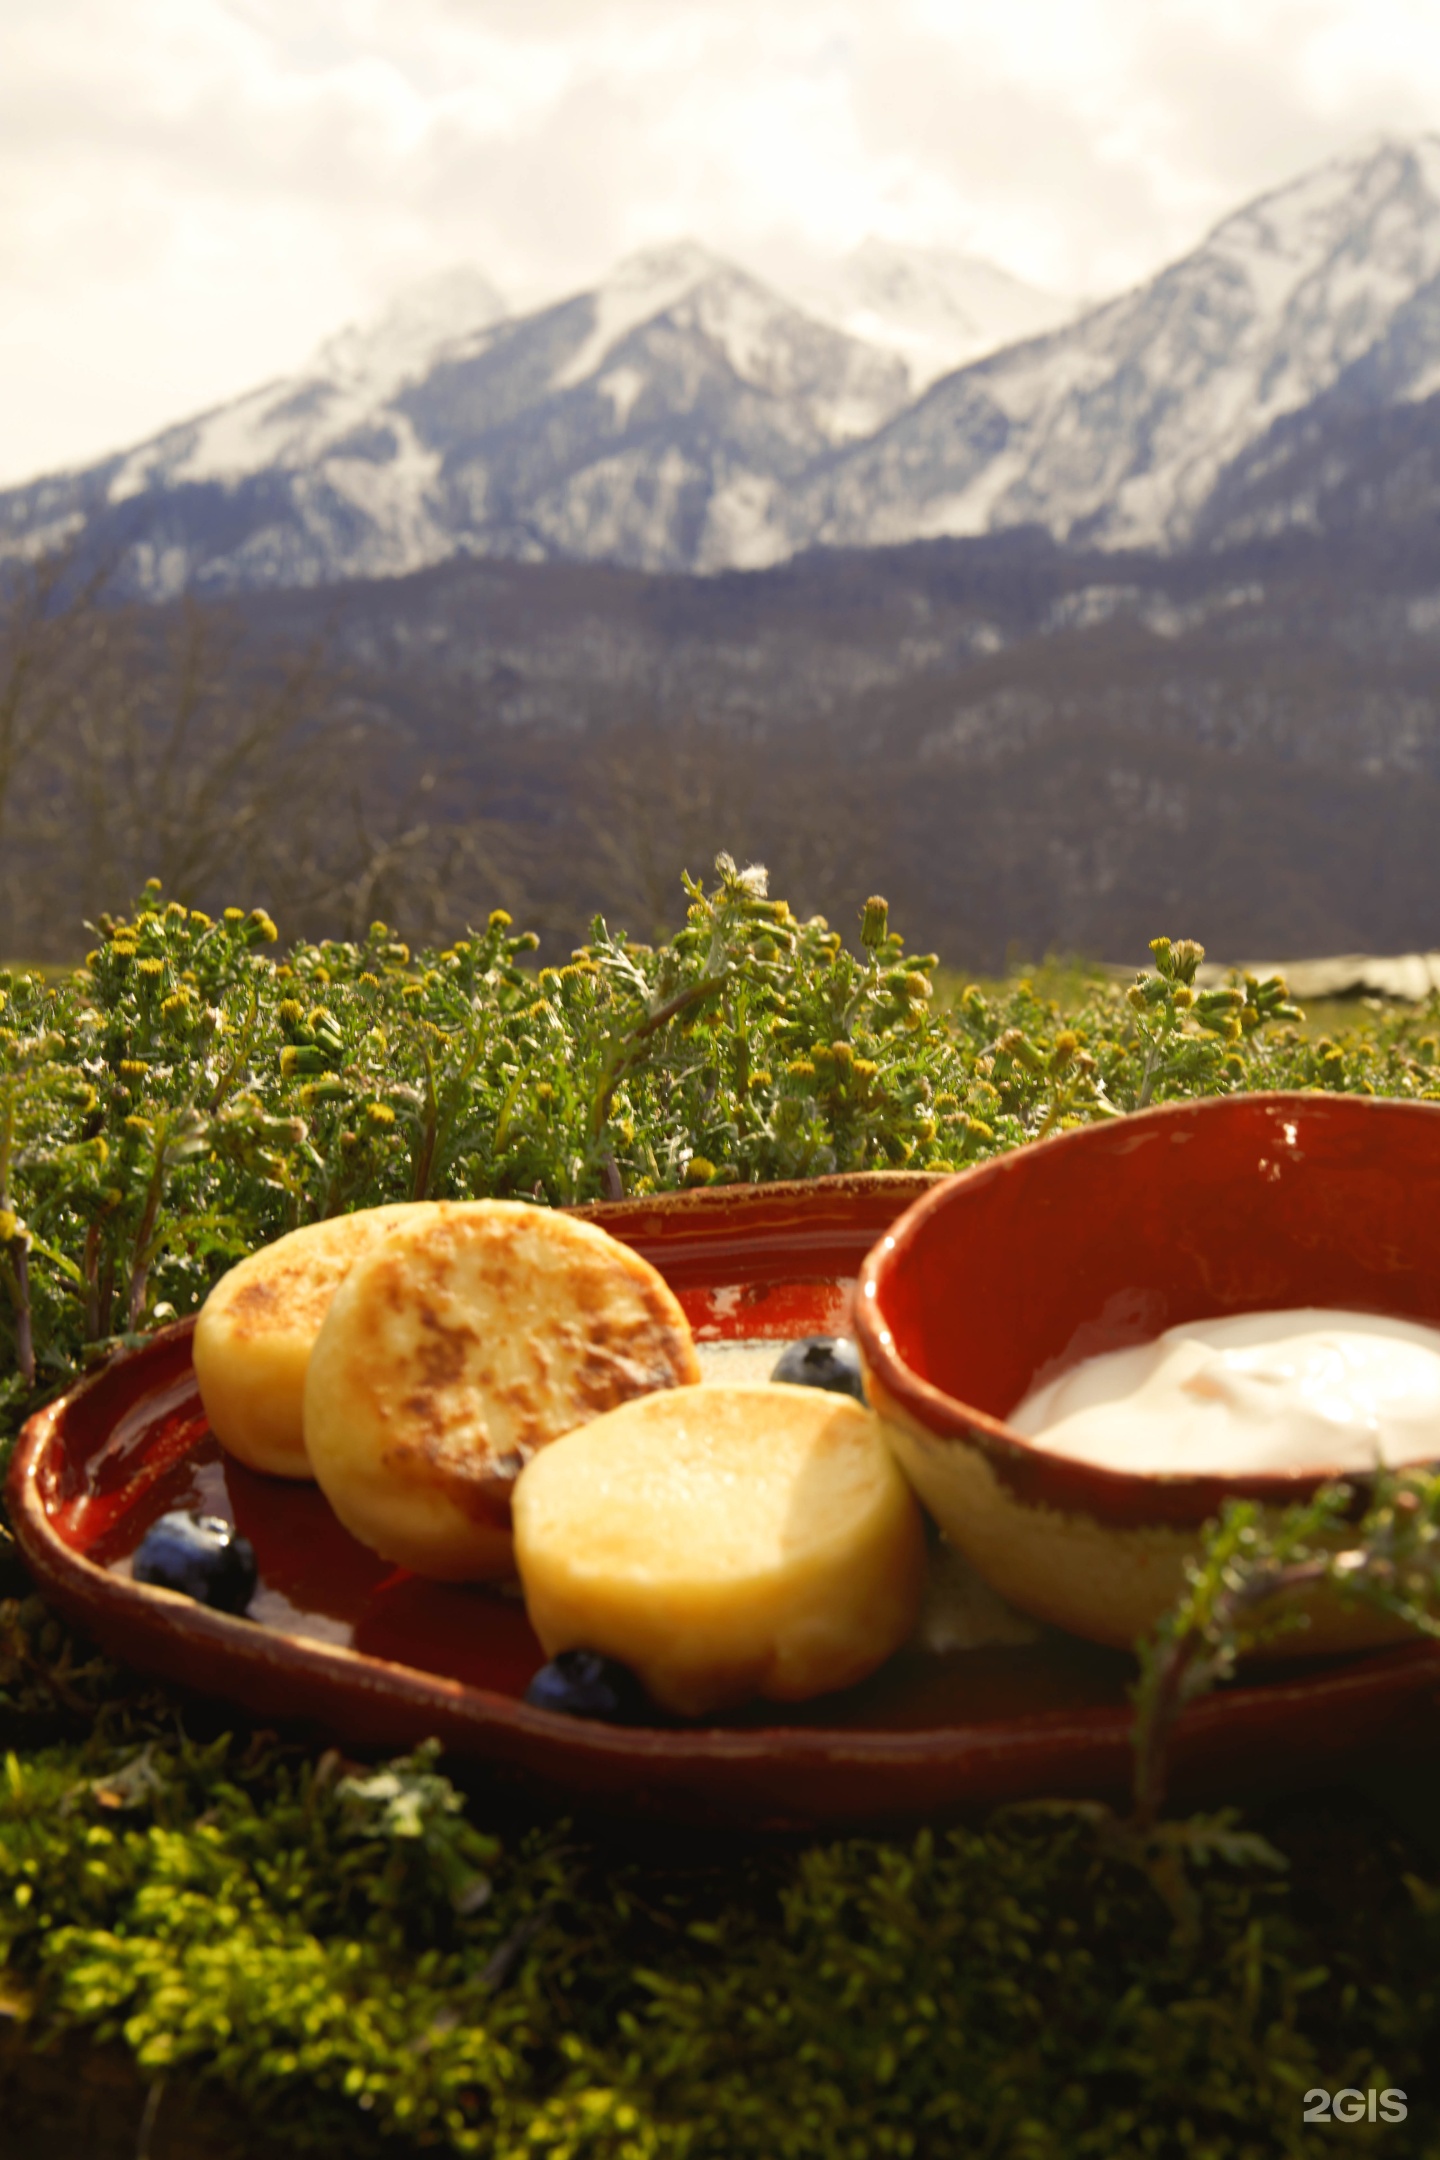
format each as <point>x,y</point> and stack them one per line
<point>937,309</point>
<point>652,421</point>
<point>685,416</point>
<point>1117,429</point>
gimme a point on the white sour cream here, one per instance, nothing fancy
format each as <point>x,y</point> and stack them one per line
<point>1300,1390</point>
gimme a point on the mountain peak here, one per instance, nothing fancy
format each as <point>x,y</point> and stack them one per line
<point>681,263</point>
<point>641,286</point>
<point>933,308</point>
<point>434,311</point>
<point>1307,218</point>
<point>1117,429</point>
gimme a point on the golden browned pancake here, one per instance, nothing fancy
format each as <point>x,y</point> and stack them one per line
<point>724,1542</point>
<point>258,1326</point>
<point>459,1347</point>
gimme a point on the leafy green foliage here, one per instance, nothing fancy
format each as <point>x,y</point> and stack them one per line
<point>192,1092</point>
<point>375,1961</point>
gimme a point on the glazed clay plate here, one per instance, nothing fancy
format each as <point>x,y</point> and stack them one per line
<point>373,1656</point>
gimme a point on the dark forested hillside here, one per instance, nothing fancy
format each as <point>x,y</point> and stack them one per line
<point>1029,748</point>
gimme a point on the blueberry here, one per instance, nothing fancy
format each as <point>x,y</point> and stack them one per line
<point>823,1361</point>
<point>584,1684</point>
<point>201,1556</point>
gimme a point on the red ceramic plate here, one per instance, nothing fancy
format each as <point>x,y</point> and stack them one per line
<point>375,1657</point>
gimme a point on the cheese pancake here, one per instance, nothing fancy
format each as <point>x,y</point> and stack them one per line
<point>459,1347</point>
<point>258,1326</point>
<point>723,1543</point>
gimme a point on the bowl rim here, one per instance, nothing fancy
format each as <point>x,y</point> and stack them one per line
<point>1030,1470</point>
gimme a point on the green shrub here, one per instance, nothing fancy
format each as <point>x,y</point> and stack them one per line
<point>192,1091</point>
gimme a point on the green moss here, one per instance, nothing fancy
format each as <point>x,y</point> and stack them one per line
<point>262,1922</point>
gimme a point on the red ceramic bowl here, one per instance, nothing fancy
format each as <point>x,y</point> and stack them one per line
<point>1105,1237</point>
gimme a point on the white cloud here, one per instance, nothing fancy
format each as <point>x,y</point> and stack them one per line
<point>194,192</point>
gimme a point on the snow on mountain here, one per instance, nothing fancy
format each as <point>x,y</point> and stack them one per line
<point>654,421</point>
<point>426,317</point>
<point>685,416</point>
<point>1116,429</point>
<point>315,415</point>
<point>313,476</point>
<point>641,287</point>
<point>936,309</point>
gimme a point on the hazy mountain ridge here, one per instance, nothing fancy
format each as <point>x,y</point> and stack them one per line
<point>1314,650</point>
<point>1027,746</point>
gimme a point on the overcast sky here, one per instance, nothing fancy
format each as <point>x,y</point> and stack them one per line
<point>194,192</point>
